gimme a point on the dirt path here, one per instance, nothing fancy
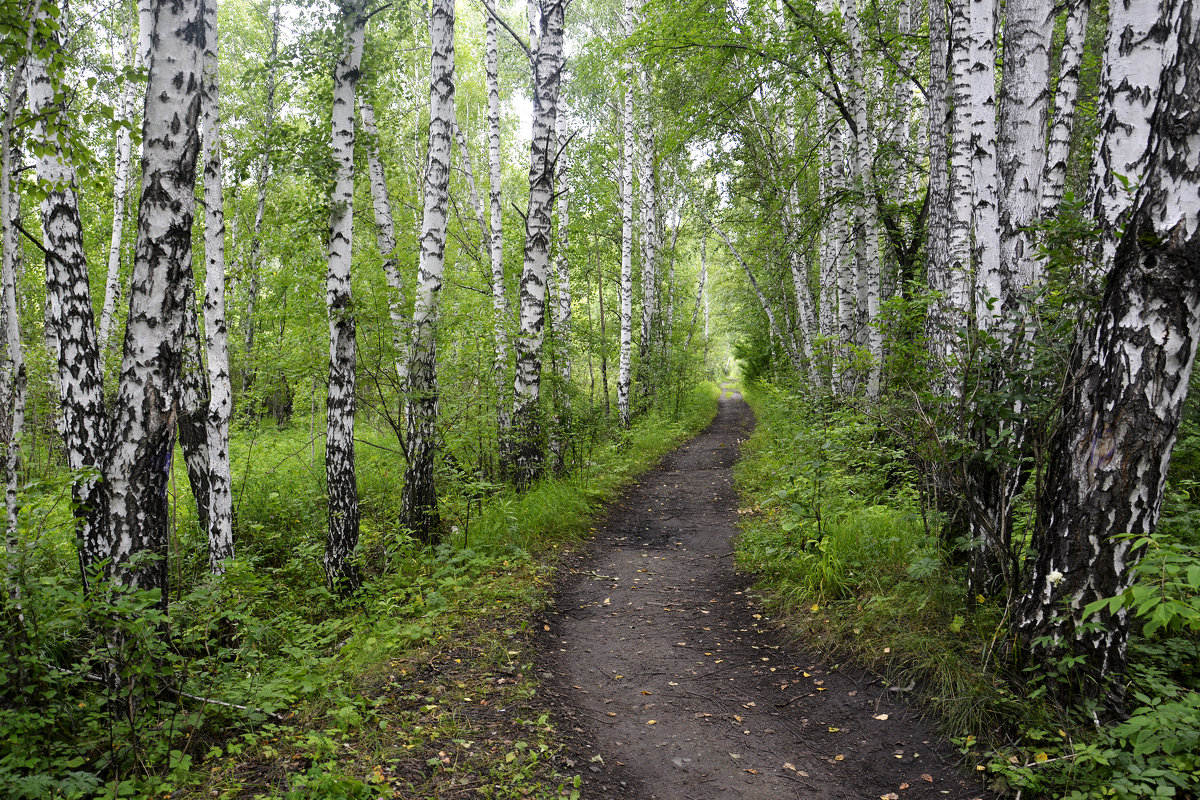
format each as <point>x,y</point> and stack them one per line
<point>670,683</point>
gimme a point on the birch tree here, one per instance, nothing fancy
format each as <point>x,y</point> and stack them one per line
<point>500,309</point>
<point>524,461</point>
<point>340,572</point>
<point>562,308</point>
<point>216,332</point>
<point>139,451</point>
<point>1066,96</point>
<point>1108,464</point>
<point>420,511</point>
<point>624,373</point>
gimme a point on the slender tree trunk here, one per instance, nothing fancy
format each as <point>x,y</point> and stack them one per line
<point>958,232</point>
<point>419,511</point>
<point>124,150</point>
<point>13,377</point>
<point>865,186</point>
<point>1067,93</point>
<point>524,461</point>
<point>562,310</point>
<point>264,176</point>
<point>1108,464</point>
<point>603,343</point>
<point>648,217</point>
<point>147,401</point>
<point>341,574</point>
<point>70,324</point>
<point>624,374</point>
<point>216,332</point>
<point>981,95</point>
<point>496,243</point>
<point>385,240</point>
<point>939,326</point>
<point>193,411</point>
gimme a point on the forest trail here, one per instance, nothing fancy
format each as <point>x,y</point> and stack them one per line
<point>669,684</point>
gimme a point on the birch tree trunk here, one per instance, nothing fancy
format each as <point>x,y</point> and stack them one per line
<point>981,96</point>
<point>865,186</point>
<point>942,319</point>
<point>496,243</point>
<point>264,176</point>
<point>71,326</point>
<point>525,460</point>
<point>1135,49</point>
<point>216,331</point>
<point>124,150</point>
<point>193,411</point>
<point>624,373</point>
<point>958,291</point>
<point>1065,97</point>
<point>419,510</point>
<point>147,401</point>
<point>385,240</point>
<point>562,309</point>
<point>1108,464</point>
<point>647,216</point>
<point>341,574</point>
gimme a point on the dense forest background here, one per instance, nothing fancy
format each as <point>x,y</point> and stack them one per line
<point>327,326</point>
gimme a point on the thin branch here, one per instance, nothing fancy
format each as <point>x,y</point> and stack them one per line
<point>515,35</point>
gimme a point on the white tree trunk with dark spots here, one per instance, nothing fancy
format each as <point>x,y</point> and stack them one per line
<point>419,510</point>
<point>648,218</point>
<point>1135,49</point>
<point>496,242</point>
<point>625,374</point>
<point>147,402</point>
<point>341,574</point>
<point>1066,95</point>
<point>216,331</point>
<point>124,151</point>
<point>525,459</point>
<point>562,309</point>
<point>193,411</point>
<point>958,291</point>
<point>981,97</point>
<point>939,273</point>
<point>385,240</point>
<point>71,326</point>
<point>1108,464</point>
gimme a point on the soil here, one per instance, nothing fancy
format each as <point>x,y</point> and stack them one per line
<point>669,682</point>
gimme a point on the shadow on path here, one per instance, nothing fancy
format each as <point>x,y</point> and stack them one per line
<point>669,683</point>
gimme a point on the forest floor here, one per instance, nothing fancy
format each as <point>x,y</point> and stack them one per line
<point>667,682</point>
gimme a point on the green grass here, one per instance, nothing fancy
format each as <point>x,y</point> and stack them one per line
<point>364,697</point>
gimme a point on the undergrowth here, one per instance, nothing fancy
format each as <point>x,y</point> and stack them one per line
<point>264,684</point>
<point>850,558</point>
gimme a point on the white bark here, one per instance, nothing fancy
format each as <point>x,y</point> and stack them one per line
<point>867,213</point>
<point>139,451</point>
<point>420,494</point>
<point>525,458</point>
<point>216,333</point>
<point>496,243</point>
<point>124,150</point>
<point>70,324</point>
<point>340,572</point>
<point>1024,105</point>
<point>562,306</point>
<point>939,268</point>
<point>1065,97</point>
<point>385,240</point>
<point>957,294</point>
<point>1135,50</point>
<point>981,97</point>
<point>624,374</point>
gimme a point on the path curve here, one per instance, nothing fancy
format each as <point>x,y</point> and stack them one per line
<point>670,684</point>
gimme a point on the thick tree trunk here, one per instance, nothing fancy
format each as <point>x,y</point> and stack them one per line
<point>1136,47</point>
<point>496,243</point>
<point>124,150</point>
<point>216,333</point>
<point>525,459</point>
<point>419,511</point>
<point>1108,464</point>
<point>958,291</point>
<point>385,240</point>
<point>147,401</point>
<point>624,373</point>
<point>1058,149</point>
<point>70,324</point>
<point>341,574</point>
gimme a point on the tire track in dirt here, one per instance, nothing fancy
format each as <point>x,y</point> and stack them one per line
<point>669,683</point>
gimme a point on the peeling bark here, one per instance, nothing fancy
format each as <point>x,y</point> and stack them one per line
<point>1066,95</point>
